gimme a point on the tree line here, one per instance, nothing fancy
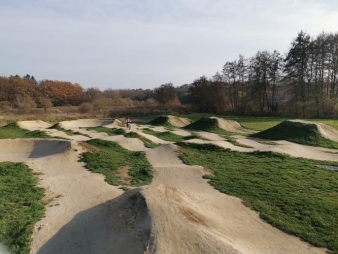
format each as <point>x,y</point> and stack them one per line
<point>302,82</point>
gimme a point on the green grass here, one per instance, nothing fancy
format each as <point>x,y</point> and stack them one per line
<point>20,206</point>
<point>113,157</point>
<point>292,194</point>
<point>298,133</point>
<point>235,143</point>
<point>12,130</point>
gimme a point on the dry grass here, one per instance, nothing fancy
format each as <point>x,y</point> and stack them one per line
<point>53,115</point>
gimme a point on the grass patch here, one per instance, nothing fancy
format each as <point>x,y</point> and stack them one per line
<point>20,206</point>
<point>292,194</point>
<point>305,134</point>
<point>268,143</point>
<point>111,157</point>
<point>168,136</point>
<point>12,130</point>
<point>109,131</point>
<point>235,143</point>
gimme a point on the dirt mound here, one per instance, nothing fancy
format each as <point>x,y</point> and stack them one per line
<point>33,125</point>
<point>172,120</point>
<point>115,123</point>
<point>328,132</point>
<point>213,123</point>
<point>23,149</point>
<point>203,124</point>
<point>121,225</point>
<point>85,123</point>
<point>293,130</point>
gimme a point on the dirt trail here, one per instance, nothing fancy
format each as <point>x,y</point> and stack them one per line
<point>71,190</point>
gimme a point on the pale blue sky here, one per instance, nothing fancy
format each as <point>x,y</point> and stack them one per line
<point>146,43</point>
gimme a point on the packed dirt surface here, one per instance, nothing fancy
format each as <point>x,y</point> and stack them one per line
<point>179,212</point>
<point>33,125</point>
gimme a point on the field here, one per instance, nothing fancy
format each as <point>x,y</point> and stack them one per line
<point>284,181</point>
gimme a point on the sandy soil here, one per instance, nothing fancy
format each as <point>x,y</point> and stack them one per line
<point>179,212</point>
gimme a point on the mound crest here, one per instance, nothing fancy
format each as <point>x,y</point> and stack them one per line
<point>22,149</point>
<point>295,130</point>
<point>172,120</point>
<point>121,225</point>
<point>214,123</point>
<point>33,125</point>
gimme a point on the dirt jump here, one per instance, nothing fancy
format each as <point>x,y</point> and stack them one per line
<point>179,212</point>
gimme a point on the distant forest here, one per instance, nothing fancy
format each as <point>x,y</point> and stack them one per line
<point>301,83</point>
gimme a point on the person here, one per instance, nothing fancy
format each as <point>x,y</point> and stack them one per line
<point>128,122</point>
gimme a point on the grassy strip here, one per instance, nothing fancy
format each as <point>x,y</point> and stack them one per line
<point>235,143</point>
<point>68,132</point>
<point>298,133</point>
<point>147,143</point>
<point>112,157</point>
<point>168,136</point>
<point>20,206</point>
<point>116,131</point>
<point>109,131</point>
<point>292,194</point>
<point>12,130</point>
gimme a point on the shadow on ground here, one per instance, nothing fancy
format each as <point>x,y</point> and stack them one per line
<point>121,225</point>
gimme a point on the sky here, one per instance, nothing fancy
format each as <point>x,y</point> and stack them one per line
<point>131,44</point>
